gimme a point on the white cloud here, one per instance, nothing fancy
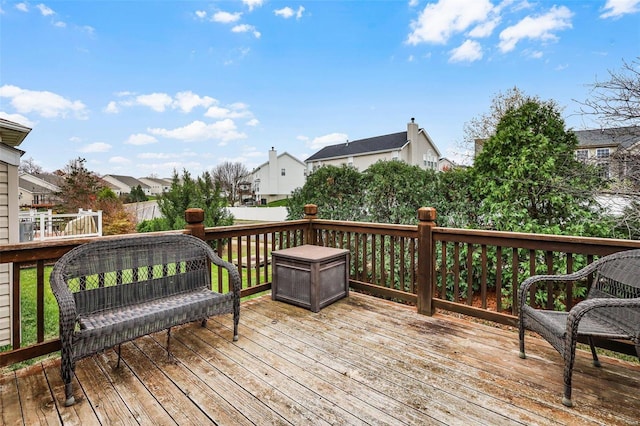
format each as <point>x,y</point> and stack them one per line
<point>439,21</point>
<point>330,139</point>
<point>253,3</point>
<point>96,147</point>
<point>469,51</point>
<point>166,156</point>
<point>246,28</point>
<point>112,108</point>
<point>201,14</point>
<point>285,12</point>
<point>226,17</point>
<point>22,7</point>
<point>60,24</point>
<point>617,8</point>
<point>156,101</point>
<point>186,101</point>
<point>253,122</point>
<point>45,10</point>
<point>413,3</point>
<point>119,160</point>
<point>46,104</point>
<point>541,27</point>
<point>17,118</point>
<point>485,29</point>
<point>224,131</point>
<point>235,111</point>
<point>140,139</point>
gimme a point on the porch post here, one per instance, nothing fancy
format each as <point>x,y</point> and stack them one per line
<point>426,222</point>
<point>310,213</point>
<point>195,222</point>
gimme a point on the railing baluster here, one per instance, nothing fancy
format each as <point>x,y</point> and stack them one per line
<point>443,271</point>
<point>40,300</point>
<point>483,279</point>
<point>469,273</point>
<point>498,279</point>
<point>456,272</point>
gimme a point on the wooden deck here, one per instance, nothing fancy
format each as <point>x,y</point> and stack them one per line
<point>358,361</point>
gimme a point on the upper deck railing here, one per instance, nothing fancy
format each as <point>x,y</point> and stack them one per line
<point>472,272</point>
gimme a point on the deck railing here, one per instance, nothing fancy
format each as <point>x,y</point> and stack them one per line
<point>471,272</point>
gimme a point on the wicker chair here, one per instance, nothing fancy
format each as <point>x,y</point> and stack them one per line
<point>118,289</point>
<point>611,310</point>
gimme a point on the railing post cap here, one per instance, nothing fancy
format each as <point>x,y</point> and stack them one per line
<point>426,214</point>
<point>310,209</point>
<point>194,215</point>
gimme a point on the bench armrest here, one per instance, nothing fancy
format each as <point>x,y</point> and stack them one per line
<point>66,305</point>
<point>234,275</point>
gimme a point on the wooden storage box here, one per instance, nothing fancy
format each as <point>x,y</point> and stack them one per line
<point>310,276</point>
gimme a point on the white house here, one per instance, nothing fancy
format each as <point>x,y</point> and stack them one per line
<point>38,191</point>
<point>11,135</point>
<point>277,178</point>
<point>157,186</point>
<point>414,147</point>
<point>124,184</point>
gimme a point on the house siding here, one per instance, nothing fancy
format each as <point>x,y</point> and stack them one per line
<point>5,279</point>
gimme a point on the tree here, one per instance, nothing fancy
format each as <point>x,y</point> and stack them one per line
<point>616,101</point>
<point>395,190</point>
<point>337,191</point>
<point>137,195</point>
<point>79,187</point>
<point>190,193</point>
<point>484,126</point>
<point>529,178</point>
<point>29,166</point>
<point>227,175</point>
<point>115,218</point>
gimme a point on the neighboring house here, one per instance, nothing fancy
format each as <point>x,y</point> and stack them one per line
<point>616,151</point>
<point>445,164</point>
<point>277,178</point>
<point>38,191</point>
<point>124,184</point>
<point>414,147</point>
<point>157,186</point>
<point>11,136</point>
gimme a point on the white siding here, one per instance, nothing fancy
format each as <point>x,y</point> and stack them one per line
<point>5,279</point>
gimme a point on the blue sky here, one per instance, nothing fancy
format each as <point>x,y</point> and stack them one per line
<point>145,87</point>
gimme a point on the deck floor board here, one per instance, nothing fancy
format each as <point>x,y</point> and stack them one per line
<point>358,361</point>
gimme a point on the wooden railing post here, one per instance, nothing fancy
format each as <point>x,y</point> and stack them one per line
<point>426,223</point>
<point>195,222</point>
<point>310,213</point>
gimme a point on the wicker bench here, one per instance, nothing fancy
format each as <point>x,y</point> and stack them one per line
<point>611,310</point>
<point>115,290</point>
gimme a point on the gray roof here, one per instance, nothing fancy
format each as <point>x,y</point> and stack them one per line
<point>361,146</point>
<point>622,137</point>
<point>32,187</point>
<point>129,181</point>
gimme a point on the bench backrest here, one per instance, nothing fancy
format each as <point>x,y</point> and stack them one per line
<point>119,272</point>
<point>618,276</point>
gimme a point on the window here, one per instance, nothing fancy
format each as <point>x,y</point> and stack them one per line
<point>602,153</point>
<point>603,170</point>
<point>582,154</point>
<point>283,172</point>
<point>395,155</point>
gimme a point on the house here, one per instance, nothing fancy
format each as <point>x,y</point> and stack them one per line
<point>11,136</point>
<point>616,151</point>
<point>157,186</point>
<point>414,147</point>
<point>124,184</point>
<point>277,178</point>
<point>38,191</point>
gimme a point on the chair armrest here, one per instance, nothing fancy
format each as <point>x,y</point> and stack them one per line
<point>581,309</point>
<point>526,284</point>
